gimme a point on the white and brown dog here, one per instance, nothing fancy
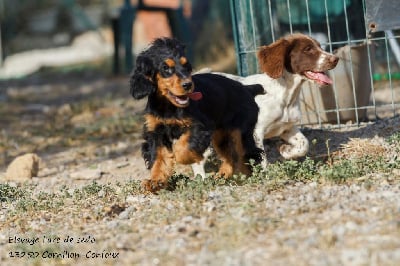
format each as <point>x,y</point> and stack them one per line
<point>286,64</point>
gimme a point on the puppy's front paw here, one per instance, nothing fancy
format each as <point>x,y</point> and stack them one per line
<point>292,152</point>
<point>225,171</point>
<point>153,185</point>
<point>286,151</point>
<point>147,155</point>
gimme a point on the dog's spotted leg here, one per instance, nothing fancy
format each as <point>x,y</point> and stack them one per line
<point>259,140</point>
<point>297,144</point>
<point>198,168</point>
<point>161,170</point>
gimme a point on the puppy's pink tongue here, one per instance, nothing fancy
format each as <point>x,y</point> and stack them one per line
<point>195,96</point>
<point>319,77</point>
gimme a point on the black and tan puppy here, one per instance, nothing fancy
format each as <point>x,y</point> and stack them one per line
<point>185,114</point>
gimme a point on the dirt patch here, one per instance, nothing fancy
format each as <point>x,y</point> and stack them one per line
<point>338,207</point>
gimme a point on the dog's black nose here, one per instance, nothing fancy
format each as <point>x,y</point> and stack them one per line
<point>187,85</point>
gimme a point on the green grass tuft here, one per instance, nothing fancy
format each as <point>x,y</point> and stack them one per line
<point>10,193</point>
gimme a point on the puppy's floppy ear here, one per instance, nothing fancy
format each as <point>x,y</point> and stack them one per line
<point>141,84</point>
<point>271,58</point>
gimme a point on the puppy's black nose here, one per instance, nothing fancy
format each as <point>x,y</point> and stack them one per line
<point>187,85</point>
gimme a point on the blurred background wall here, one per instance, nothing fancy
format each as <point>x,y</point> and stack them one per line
<point>37,25</point>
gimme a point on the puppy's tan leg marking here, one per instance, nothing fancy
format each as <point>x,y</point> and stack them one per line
<point>182,152</point>
<point>161,171</point>
<point>222,146</point>
<point>239,153</point>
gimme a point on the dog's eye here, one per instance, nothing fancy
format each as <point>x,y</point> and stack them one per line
<point>308,48</point>
<point>167,69</point>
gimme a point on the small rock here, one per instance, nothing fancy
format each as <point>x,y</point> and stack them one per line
<point>112,224</point>
<point>154,202</point>
<point>139,199</point>
<point>126,213</point>
<point>257,197</point>
<point>122,164</point>
<point>87,174</point>
<point>170,206</point>
<point>131,199</point>
<point>23,167</point>
<point>101,194</point>
<point>187,219</point>
<point>65,109</point>
<point>313,184</point>
<point>82,118</point>
<point>354,257</point>
<point>40,108</point>
<point>210,206</point>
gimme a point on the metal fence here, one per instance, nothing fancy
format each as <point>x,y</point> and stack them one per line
<point>361,32</point>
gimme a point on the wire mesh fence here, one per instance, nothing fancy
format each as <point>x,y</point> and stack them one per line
<point>361,32</point>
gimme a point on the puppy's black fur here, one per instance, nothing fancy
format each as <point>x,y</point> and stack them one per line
<point>181,129</point>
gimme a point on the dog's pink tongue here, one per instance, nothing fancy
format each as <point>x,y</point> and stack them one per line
<point>320,77</point>
<point>195,96</point>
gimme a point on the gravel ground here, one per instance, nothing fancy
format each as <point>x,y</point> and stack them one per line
<point>70,122</point>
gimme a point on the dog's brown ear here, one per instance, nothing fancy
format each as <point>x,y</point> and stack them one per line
<point>271,58</point>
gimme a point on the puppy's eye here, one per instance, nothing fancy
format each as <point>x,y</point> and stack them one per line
<point>167,69</point>
<point>308,48</point>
